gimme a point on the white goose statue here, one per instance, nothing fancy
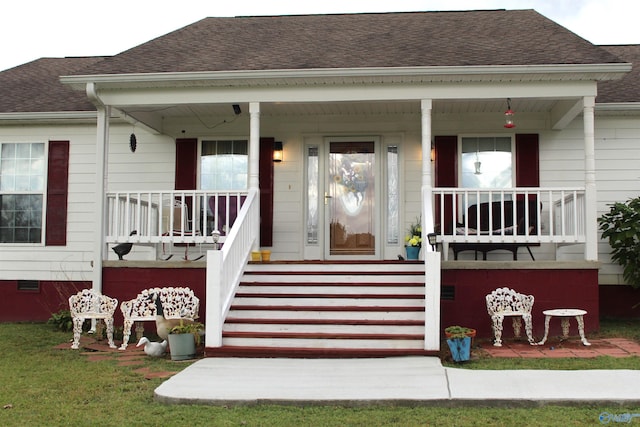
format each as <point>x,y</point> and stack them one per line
<point>153,349</point>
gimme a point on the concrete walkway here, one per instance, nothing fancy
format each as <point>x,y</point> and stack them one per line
<point>396,380</point>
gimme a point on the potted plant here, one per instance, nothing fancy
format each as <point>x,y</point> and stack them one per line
<point>459,342</point>
<point>183,340</point>
<point>413,239</point>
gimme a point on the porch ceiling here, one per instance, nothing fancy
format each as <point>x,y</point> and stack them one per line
<point>345,108</point>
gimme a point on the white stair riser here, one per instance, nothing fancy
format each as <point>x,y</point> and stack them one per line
<point>333,268</point>
<point>330,302</point>
<point>332,278</point>
<point>350,329</point>
<point>299,314</point>
<point>326,343</point>
<point>343,290</point>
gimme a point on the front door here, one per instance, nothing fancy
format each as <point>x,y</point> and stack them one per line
<point>350,201</point>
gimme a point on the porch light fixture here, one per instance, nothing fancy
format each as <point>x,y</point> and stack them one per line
<point>432,240</point>
<point>277,152</point>
<point>215,235</point>
<point>508,116</point>
<point>476,165</point>
<point>236,109</point>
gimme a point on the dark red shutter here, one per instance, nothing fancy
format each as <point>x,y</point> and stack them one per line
<point>446,173</point>
<point>186,163</point>
<point>527,160</point>
<point>57,192</point>
<point>266,191</point>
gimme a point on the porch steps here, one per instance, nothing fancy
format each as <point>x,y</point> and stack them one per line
<point>355,309</point>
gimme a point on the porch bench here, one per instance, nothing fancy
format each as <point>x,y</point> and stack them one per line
<point>178,302</point>
<point>499,211</point>
<point>90,304</point>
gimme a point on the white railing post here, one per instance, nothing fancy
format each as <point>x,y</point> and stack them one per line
<point>213,316</point>
<point>432,301</point>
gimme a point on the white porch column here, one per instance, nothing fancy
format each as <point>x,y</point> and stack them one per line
<point>431,258</point>
<point>427,188</point>
<point>591,215</point>
<point>254,160</point>
<point>102,157</point>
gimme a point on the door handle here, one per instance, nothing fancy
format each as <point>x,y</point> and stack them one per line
<point>326,198</point>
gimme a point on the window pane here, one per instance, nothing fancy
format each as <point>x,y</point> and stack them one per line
<point>22,182</point>
<point>393,199</point>
<point>487,162</point>
<point>224,165</point>
<point>312,195</point>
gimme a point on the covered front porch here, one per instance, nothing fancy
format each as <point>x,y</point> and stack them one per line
<point>401,117</point>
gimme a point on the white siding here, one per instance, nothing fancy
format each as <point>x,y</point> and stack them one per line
<point>151,166</point>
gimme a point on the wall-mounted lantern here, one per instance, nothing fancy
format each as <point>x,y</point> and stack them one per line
<point>277,152</point>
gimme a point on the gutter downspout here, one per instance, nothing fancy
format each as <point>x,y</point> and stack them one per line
<point>102,150</point>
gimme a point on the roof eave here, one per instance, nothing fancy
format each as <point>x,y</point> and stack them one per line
<point>47,117</point>
<point>618,107</point>
<point>599,72</point>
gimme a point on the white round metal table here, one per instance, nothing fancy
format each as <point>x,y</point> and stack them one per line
<point>565,314</point>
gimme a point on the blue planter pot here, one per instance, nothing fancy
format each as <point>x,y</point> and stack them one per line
<point>413,252</point>
<point>460,348</point>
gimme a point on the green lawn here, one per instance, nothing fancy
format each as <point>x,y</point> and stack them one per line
<point>40,385</point>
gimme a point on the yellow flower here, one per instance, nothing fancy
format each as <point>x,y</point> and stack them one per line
<point>414,236</point>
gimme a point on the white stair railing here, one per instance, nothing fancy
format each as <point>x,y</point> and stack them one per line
<point>226,266</point>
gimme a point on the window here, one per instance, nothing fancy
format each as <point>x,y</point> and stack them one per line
<point>22,188</point>
<point>224,165</point>
<point>393,195</point>
<point>313,172</point>
<point>487,162</point>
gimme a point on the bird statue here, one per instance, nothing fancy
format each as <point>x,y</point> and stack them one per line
<point>164,325</point>
<point>123,248</point>
<point>153,349</point>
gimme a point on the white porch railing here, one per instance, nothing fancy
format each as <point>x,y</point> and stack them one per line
<point>225,267</point>
<point>553,215</point>
<point>171,216</point>
<point>156,216</point>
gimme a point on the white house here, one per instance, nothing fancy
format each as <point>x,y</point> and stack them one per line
<point>501,121</point>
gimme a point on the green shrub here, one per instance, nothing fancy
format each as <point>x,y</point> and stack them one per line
<point>621,226</point>
<point>61,320</point>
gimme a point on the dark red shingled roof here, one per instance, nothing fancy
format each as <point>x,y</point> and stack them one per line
<point>35,86</point>
<point>626,89</point>
<point>468,38</point>
<point>462,38</point>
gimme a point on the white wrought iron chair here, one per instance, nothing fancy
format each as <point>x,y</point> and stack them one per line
<point>507,302</point>
<point>90,304</point>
